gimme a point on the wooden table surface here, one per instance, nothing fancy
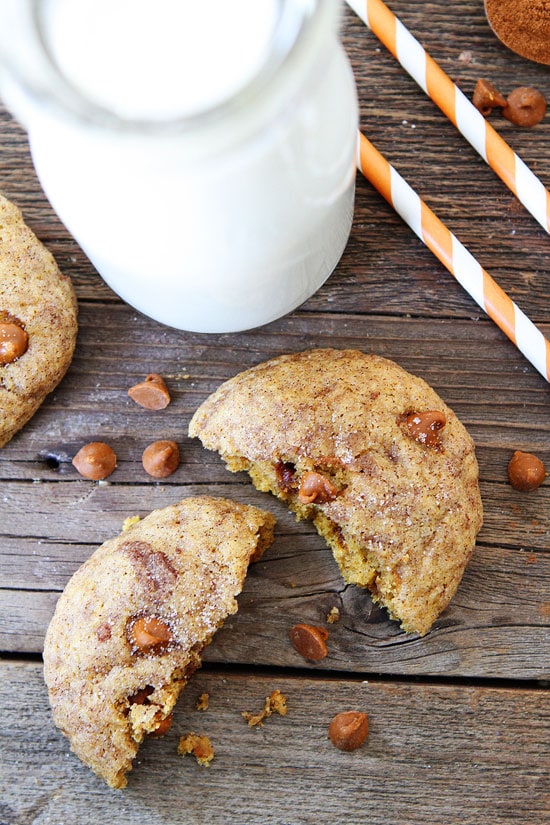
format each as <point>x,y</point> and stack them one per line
<point>459,719</point>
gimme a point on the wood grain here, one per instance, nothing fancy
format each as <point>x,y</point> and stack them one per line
<point>495,626</point>
<point>470,753</point>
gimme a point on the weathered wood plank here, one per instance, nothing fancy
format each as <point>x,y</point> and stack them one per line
<point>46,559</point>
<point>509,412</point>
<point>435,753</point>
<point>74,509</point>
<point>496,625</point>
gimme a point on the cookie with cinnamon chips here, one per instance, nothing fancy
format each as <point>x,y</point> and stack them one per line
<point>38,322</point>
<point>129,629</point>
<point>368,452</point>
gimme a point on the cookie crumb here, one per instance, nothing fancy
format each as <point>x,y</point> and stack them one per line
<point>202,702</point>
<point>276,703</point>
<point>199,746</point>
<point>129,522</point>
<point>333,615</point>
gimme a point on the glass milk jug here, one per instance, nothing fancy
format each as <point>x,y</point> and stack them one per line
<point>201,153</point>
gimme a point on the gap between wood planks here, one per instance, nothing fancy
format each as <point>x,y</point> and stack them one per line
<point>222,668</point>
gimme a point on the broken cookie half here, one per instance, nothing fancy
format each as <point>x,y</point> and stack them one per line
<point>130,626</point>
<point>371,455</point>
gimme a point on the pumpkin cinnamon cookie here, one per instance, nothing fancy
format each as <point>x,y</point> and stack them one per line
<point>130,626</point>
<point>371,455</point>
<point>38,323</point>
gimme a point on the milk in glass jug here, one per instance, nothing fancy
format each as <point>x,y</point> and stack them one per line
<point>201,153</point>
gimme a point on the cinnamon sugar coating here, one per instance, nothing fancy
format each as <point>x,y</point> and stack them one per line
<point>130,626</point>
<point>41,301</point>
<point>405,514</point>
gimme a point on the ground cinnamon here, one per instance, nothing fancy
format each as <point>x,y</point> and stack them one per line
<point>523,26</point>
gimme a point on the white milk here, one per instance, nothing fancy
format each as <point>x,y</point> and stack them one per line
<point>201,153</point>
<point>160,59</point>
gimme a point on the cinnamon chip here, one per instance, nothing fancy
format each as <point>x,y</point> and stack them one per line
<point>486,97</point>
<point>309,641</point>
<point>152,394</point>
<point>525,106</point>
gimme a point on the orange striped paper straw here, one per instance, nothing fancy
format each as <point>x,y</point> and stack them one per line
<point>455,105</point>
<point>454,256</point>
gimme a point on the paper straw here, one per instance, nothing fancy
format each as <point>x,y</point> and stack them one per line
<point>455,105</point>
<point>454,256</point>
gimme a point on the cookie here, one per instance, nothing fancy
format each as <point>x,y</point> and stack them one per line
<point>38,322</point>
<point>129,628</point>
<point>371,455</point>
